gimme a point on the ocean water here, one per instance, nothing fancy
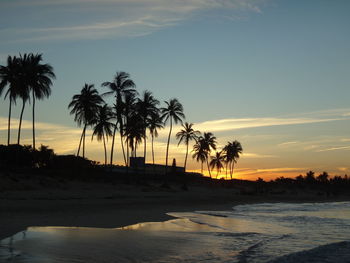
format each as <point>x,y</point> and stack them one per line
<point>266,232</point>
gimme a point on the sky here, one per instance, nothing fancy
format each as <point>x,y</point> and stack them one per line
<point>272,74</point>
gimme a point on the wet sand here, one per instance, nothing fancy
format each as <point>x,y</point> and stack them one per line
<point>104,206</point>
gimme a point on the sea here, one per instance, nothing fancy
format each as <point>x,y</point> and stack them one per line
<point>264,232</point>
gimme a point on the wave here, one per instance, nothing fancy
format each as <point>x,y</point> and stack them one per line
<point>285,207</point>
<point>335,252</point>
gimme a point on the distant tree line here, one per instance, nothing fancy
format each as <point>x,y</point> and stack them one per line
<point>323,183</point>
<point>17,156</point>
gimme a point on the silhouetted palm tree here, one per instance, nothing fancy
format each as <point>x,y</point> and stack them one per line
<point>155,123</point>
<point>172,111</point>
<point>233,150</point>
<point>121,85</point>
<point>23,90</point>
<point>146,107</point>
<point>103,127</point>
<point>323,177</point>
<point>199,153</point>
<point>85,107</point>
<point>186,135</point>
<point>134,133</point>
<point>9,78</point>
<point>128,110</point>
<point>310,177</point>
<point>216,162</point>
<point>38,78</point>
<point>208,143</point>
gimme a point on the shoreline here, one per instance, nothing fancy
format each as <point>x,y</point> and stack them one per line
<point>121,207</point>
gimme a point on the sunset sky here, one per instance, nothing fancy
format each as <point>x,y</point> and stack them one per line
<point>272,74</point>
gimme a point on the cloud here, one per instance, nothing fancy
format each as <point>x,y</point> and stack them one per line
<point>257,156</point>
<point>343,169</point>
<point>99,19</point>
<point>335,149</point>
<point>244,123</point>
<point>287,143</point>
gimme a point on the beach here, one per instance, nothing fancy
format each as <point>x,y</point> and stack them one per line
<point>110,206</point>
<point>124,223</point>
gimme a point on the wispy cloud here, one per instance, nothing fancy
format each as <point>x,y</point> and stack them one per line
<point>257,155</point>
<point>234,124</point>
<point>283,144</point>
<point>96,19</point>
<point>335,149</point>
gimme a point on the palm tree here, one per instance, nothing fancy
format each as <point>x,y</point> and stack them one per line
<point>85,107</point>
<point>172,111</point>
<point>38,78</point>
<point>23,90</point>
<point>155,123</point>
<point>216,162</point>
<point>208,142</point>
<point>103,126</point>
<point>119,87</point>
<point>9,77</point>
<point>128,110</point>
<point>186,135</point>
<point>146,107</point>
<point>199,152</point>
<point>134,132</point>
<point>232,150</point>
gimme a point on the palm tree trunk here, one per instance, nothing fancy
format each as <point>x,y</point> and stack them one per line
<point>217,173</point>
<point>81,138</point>
<point>135,149</point>
<point>20,123</point>
<point>120,120</point>
<point>104,144</point>
<point>167,147</point>
<point>127,155</point>
<point>9,124</point>
<point>144,151</point>
<point>127,152</point>
<point>186,157</point>
<point>84,142</point>
<point>144,146</point>
<point>112,147</point>
<point>208,168</point>
<point>154,168</point>
<point>226,170</point>
<point>232,165</point>
<point>33,121</point>
<point>201,167</point>
<point>121,140</point>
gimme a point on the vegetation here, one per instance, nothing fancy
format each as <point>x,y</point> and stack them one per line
<point>85,107</point>
<point>120,87</point>
<point>25,77</point>
<point>9,76</point>
<point>205,144</point>
<point>172,112</point>
<point>186,135</point>
<point>232,150</point>
<point>217,162</point>
<point>102,126</point>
